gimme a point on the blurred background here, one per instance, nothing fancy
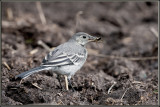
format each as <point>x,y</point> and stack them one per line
<point>120,70</point>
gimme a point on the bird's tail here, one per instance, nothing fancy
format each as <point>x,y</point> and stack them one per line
<point>32,71</point>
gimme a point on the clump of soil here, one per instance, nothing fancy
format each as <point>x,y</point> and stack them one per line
<point>115,73</point>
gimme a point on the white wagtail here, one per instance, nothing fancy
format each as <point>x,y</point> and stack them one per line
<point>66,59</point>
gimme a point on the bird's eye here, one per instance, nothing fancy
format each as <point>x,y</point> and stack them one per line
<point>84,37</point>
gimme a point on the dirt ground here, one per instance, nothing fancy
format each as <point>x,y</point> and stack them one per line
<point>120,70</point>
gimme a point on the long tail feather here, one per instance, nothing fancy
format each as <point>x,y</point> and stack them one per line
<point>32,71</point>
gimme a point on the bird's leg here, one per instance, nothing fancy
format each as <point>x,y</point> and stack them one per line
<point>66,82</point>
<point>71,85</point>
<point>59,80</point>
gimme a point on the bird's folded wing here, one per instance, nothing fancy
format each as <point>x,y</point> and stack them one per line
<point>63,59</point>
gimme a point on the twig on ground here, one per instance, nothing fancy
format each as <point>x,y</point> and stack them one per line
<point>21,81</point>
<point>137,82</point>
<point>33,51</point>
<point>9,14</point>
<point>60,102</point>
<point>41,13</point>
<point>13,88</point>
<point>109,90</point>
<point>129,58</point>
<point>60,94</point>
<point>143,58</point>
<point>77,20</point>
<point>43,45</point>
<point>36,85</point>
<point>153,30</point>
<point>7,65</point>
<point>124,94</point>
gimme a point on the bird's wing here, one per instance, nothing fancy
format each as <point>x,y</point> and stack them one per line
<point>57,58</point>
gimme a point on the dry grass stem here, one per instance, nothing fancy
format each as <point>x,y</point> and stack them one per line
<point>124,94</point>
<point>21,81</point>
<point>137,82</point>
<point>7,65</point>
<point>41,13</point>
<point>60,102</point>
<point>129,58</point>
<point>153,30</point>
<point>9,14</point>
<point>36,85</point>
<point>33,51</point>
<point>109,90</point>
<point>43,45</point>
<point>143,58</point>
<point>77,20</point>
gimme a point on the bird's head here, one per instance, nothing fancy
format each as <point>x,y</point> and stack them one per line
<point>83,38</point>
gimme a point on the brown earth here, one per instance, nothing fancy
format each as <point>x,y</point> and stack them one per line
<point>125,28</point>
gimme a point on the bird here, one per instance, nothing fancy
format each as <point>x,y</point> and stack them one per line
<point>66,59</point>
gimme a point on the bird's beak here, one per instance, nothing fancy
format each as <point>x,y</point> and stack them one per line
<point>94,39</point>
